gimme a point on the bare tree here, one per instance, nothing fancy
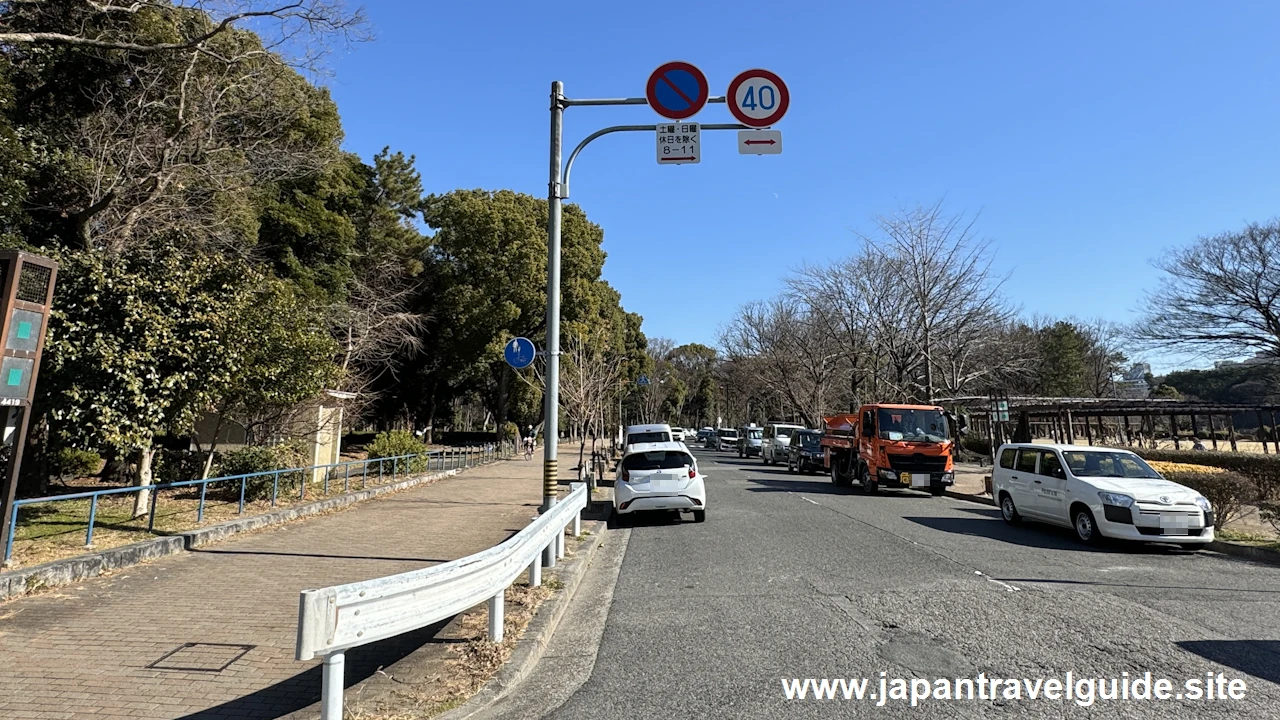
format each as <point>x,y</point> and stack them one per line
<point>792,350</point>
<point>1104,359</point>
<point>1221,296</point>
<point>301,28</point>
<point>940,265</point>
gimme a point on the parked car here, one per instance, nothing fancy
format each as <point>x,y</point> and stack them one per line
<point>749,439</point>
<point>1098,492</point>
<point>659,476</point>
<point>804,454</point>
<point>647,434</point>
<point>777,436</point>
<point>725,439</point>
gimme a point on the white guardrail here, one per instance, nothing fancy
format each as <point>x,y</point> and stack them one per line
<point>332,619</point>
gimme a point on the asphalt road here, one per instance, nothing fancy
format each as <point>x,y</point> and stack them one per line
<point>790,577</point>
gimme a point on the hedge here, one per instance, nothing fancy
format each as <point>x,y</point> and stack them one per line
<point>398,443</point>
<point>1263,470</point>
<point>1227,491</point>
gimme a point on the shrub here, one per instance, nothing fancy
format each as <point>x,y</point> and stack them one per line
<point>263,458</point>
<point>69,463</point>
<point>1227,491</point>
<point>977,446</point>
<point>1164,467</point>
<point>179,465</point>
<point>397,443</point>
<point>1270,511</point>
<point>1263,470</point>
<point>510,434</point>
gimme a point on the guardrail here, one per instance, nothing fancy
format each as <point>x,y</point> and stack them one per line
<point>331,620</point>
<point>380,470</point>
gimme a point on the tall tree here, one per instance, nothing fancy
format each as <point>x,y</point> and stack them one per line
<point>1220,295</point>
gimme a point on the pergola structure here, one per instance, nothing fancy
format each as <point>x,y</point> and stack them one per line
<point>1115,420</point>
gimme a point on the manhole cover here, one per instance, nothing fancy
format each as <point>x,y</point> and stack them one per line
<point>201,657</point>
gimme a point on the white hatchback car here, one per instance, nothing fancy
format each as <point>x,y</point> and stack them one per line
<point>659,476</point>
<point>1099,492</point>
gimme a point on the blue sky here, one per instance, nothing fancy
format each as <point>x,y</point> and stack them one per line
<point>1088,135</point>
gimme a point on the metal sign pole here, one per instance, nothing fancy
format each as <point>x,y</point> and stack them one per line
<point>550,471</point>
<point>558,191</point>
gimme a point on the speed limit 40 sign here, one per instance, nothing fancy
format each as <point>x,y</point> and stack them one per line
<point>758,98</point>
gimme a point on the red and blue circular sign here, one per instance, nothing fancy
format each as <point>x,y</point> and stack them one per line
<point>677,90</point>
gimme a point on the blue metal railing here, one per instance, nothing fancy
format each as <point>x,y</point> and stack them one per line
<point>435,460</point>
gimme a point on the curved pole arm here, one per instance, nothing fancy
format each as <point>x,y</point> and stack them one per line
<point>568,166</point>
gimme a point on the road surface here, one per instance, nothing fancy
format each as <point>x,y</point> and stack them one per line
<point>791,577</point>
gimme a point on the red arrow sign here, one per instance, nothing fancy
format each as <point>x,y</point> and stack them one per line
<point>757,142</point>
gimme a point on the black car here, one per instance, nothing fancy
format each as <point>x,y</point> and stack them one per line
<point>804,454</point>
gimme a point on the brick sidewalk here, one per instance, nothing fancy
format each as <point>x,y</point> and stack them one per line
<point>117,647</point>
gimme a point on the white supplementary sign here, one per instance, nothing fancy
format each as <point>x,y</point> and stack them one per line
<point>678,143</point>
<point>759,142</point>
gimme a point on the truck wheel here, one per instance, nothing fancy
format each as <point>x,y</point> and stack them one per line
<point>866,483</point>
<point>837,477</point>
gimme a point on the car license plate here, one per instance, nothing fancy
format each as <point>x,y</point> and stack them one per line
<point>1174,524</point>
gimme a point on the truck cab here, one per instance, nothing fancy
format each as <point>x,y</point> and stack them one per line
<point>890,446</point>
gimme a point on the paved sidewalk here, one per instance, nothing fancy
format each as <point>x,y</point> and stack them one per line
<point>117,646</point>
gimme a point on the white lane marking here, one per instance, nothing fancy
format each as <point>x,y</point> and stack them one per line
<point>1004,585</point>
<point>808,500</point>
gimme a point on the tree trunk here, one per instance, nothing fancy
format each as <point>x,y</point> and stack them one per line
<point>142,501</point>
<point>213,445</point>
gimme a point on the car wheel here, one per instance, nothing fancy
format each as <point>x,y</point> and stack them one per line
<point>620,520</point>
<point>1086,528</point>
<point>699,516</point>
<point>835,475</point>
<point>1008,511</point>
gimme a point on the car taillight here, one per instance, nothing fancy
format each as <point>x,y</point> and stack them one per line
<point>625,476</point>
<point>692,473</point>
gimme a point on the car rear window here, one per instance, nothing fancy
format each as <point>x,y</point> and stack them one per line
<point>1006,458</point>
<point>1027,460</point>
<point>657,460</point>
<point>646,437</point>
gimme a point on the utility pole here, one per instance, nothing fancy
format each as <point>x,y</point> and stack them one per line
<point>551,398</point>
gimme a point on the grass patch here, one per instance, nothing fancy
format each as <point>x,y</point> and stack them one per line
<point>1257,539</point>
<point>56,530</point>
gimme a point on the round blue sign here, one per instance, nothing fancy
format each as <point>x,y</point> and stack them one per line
<point>677,90</point>
<point>520,353</point>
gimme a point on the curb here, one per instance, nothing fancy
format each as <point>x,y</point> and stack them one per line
<point>533,643</point>
<point>16,583</point>
<point>1226,547</point>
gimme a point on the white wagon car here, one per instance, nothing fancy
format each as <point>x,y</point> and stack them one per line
<point>1098,492</point>
<point>659,476</point>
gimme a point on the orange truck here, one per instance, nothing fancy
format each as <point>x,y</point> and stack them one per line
<point>890,446</point>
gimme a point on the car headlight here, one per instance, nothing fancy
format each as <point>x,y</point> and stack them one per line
<point>1204,504</point>
<point>1116,499</point>
<point>948,477</point>
<point>888,474</point>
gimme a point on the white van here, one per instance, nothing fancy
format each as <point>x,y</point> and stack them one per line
<point>654,433</point>
<point>1098,492</point>
<point>777,438</point>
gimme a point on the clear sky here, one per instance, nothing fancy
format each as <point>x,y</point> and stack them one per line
<point>1089,135</point>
